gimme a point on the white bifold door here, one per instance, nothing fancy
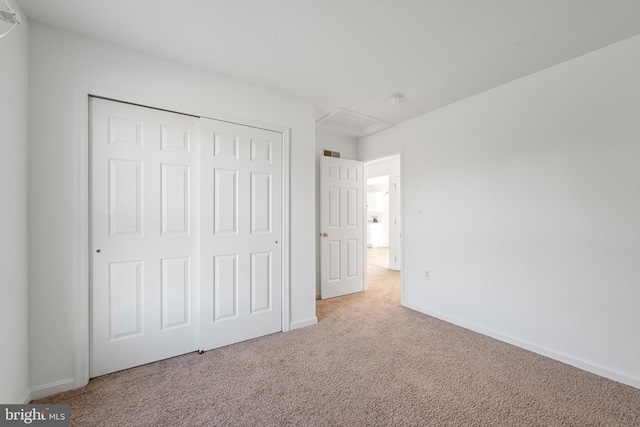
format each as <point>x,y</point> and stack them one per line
<point>185,234</point>
<point>341,227</point>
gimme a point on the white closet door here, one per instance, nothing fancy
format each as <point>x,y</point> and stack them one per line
<point>241,237</point>
<point>145,230</point>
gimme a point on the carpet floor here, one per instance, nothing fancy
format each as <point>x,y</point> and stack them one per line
<point>368,362</point>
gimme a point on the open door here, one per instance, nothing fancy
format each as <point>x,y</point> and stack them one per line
<point>341,227</point>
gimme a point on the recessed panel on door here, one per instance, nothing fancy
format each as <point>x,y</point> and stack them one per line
<point>333,173</point>
<point>126,132</point>
<point>261,281</point>
<point>176,139</point>
<point>225,204</point>
<point>125,302</point>
<point>125,197</point>
<point>335,260</point>
<point>225,146</point>
<point>260,151</point>
<point>334,207</point>
<point>175,199</point>
<point>352,207</point>
<point>352,174</point>
<point>225,287</point>
<point>175,292</point>
<point>260,202</point>
<point>352,258</point>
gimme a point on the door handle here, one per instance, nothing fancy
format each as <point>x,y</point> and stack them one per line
<point>324,234</point>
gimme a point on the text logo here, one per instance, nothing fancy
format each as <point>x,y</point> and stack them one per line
<point>34,415</point>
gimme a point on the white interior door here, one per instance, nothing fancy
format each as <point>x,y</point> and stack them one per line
<point>341,227</point>
<point>241,233</point>
<point>144,266</point>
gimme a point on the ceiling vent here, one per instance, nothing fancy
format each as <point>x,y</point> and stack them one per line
<point>352,123</point>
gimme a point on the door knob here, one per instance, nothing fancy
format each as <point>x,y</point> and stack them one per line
<point>325,234</point>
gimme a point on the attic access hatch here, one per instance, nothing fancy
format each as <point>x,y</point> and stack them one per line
<point>352,123</point>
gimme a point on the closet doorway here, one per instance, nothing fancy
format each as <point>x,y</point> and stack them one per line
<point>186,221</point>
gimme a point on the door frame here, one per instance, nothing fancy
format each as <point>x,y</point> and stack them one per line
<point>402,216</point>
<point>82,315</point>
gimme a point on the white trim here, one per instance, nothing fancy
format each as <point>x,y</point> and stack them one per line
<point>45,390</point>
<point>82,319</point>
<point>402,222</point>
<point>197,230</point>
<point>304,323</point>
<point>27,397</point>
<point>365,228</point>
<point>602,371</point>
<point>286,269</point>
<point>82,292</point>
<point>160,104</point>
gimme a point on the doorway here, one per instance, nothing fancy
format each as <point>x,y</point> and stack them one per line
<point>383,215</point>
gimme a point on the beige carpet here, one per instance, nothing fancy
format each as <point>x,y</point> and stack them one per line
<point>369,361</point>
<point>378,256</point>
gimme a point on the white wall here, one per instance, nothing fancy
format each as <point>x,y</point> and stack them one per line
<point>14,375</point>
<point>61,65</point>
<point>347,146</point>
<point>385,166</point>
<point>524,204</point>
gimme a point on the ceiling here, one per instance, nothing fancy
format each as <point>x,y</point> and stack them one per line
<point>355,54</point>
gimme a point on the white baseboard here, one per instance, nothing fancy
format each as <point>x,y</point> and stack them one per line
<point>612,374</point>
<point>303,323</point>
<point>38,392</point>
<point>27,397</point>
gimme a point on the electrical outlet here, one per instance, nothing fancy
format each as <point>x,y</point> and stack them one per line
<point>427,275</point>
